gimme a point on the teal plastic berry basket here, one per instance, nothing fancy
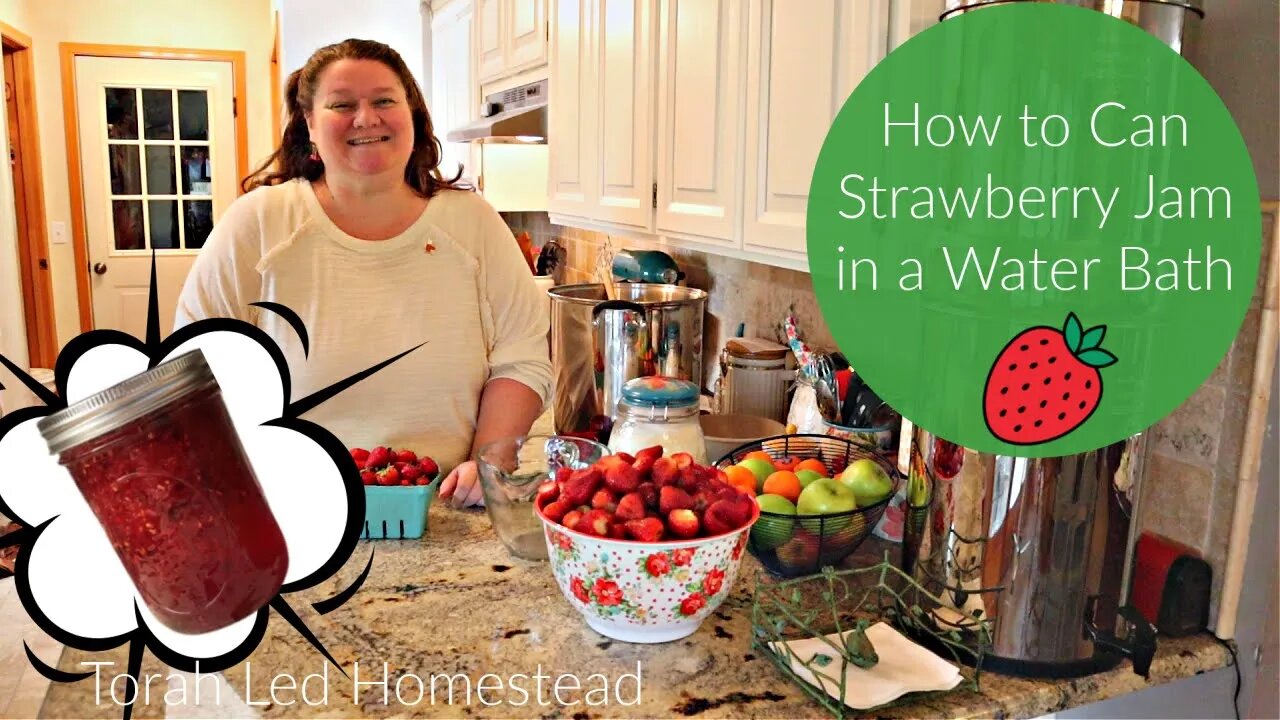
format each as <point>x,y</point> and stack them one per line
<point>397,512</point>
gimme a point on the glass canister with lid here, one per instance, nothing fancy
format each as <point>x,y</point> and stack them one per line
<point>658,410</point>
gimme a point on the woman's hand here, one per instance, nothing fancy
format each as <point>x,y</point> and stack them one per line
<point>462,486</point>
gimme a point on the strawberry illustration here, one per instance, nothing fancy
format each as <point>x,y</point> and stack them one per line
<point>1045,383</point>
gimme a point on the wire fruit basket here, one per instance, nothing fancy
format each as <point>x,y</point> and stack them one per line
<point>802,544</point>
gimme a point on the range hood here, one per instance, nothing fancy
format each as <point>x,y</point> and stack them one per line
<point>518,115</point>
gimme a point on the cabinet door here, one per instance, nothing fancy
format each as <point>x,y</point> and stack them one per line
<point>624,190</point>
<point>699,114</point>
<point>571,126</point>
<point>491,60</point>
<point>526,34</point>
<point>454,90</point>
<point>804,61</point>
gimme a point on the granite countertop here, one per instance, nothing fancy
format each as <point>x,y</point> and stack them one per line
<point>457,602</point>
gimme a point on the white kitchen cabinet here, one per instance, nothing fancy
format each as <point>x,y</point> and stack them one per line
<point>624,143</point>
<point>699,116</point>
<point>600,122</point>
<point>491,63</point>
<point>526,36</point>
<point>454,90</point>
<point>723,109</point>
<point>804,59</point>
<point>572,110</point>
<point>511,37</point>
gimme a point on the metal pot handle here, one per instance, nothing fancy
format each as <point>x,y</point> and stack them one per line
<point>615,305</point>
<point>1138,643</point>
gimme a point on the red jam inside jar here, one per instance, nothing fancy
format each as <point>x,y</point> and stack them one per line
<point>159,462</point>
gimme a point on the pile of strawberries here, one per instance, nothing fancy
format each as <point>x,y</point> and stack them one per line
<point>385,466</point>
<point>646,497</point>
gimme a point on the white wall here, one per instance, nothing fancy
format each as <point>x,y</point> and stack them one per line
<point>224,25</point>
<point>308,25</point>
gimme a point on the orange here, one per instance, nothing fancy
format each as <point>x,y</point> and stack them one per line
<point>812,464</point>
<point>784,483</point>
<point>787,462</point>
<point>758,454</point>
<point>741,478</point>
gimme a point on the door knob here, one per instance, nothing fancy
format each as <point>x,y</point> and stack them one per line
<point>100,268</point>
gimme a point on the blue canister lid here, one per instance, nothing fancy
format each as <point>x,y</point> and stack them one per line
<point>658,391</point>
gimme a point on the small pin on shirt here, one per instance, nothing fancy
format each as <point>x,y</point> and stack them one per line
<point>429,248</point>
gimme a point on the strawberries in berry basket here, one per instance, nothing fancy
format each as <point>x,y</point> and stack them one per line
<point>645,498</point>
<point>389,467</point>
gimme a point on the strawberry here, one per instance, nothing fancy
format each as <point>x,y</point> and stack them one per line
<point>570,518</point>
<point>360,455</point>
<point>728,514</point>
<point>562,475</point>
<point>645,459</point>
<point>617,531</point>
<point>621,478</point>
<point>429,467</point>
<point>411,473</point>
<point>389,476</point>
<point>378,457</point>
<point>597,522</point>
<point>604,500</point>
<point>630,507</point>
<point>649,493</point>
<point>581,485</point>
<point>647,530</point>
<point>406,456</point>
<point>683,460</point>
<point>673,498</point>
<point>1045,383</point>
<point>367,477</point>
<point>627,458</point>
<point>548,492</point>
<point>683,523</point>
<point>555,511</point>
<point>665,471</point>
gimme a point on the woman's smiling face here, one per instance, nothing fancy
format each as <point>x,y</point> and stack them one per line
<point>360,120</point>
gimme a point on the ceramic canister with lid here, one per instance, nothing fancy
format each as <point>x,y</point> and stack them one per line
<point>657,410</point>
<point>754,378</point>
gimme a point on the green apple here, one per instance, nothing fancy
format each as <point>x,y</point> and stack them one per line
<point>759,467</point>
<point>770,532</point>
<point>868,481</point>
<point>825,496</point>
<point>807,476</point>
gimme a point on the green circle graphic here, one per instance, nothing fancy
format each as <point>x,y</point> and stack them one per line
<point>983,243</point>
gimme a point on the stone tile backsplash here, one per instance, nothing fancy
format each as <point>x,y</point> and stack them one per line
<point>1193,455</point>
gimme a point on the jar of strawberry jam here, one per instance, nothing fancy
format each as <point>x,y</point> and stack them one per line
<point>159,463</point>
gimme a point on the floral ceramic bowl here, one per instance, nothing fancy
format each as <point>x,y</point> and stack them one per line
<point>644,592</point>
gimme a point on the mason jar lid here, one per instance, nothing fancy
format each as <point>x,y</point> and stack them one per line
<point>127,401</point>
<point>659,391</point>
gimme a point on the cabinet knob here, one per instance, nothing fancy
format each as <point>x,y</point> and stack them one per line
<point>100,268</point>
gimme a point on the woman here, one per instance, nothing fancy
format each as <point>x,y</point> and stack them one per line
<point>351,225</point>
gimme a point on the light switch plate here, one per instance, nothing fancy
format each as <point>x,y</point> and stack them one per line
<point>58,233</point>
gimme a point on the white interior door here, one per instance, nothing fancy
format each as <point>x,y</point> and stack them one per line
<point>157,158</point>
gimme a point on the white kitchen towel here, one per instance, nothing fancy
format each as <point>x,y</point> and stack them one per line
<point>904,667</point>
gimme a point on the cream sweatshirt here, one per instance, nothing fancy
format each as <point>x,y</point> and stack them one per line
<point>454,280</point>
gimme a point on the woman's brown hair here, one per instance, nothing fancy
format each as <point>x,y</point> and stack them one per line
<point>292,159</point>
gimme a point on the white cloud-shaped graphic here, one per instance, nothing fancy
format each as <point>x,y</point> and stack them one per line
<point>76,580</point>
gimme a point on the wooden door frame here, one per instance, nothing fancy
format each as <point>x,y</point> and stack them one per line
<point>277,106</point>
<point>71,119</point>
<point>33,241</point>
